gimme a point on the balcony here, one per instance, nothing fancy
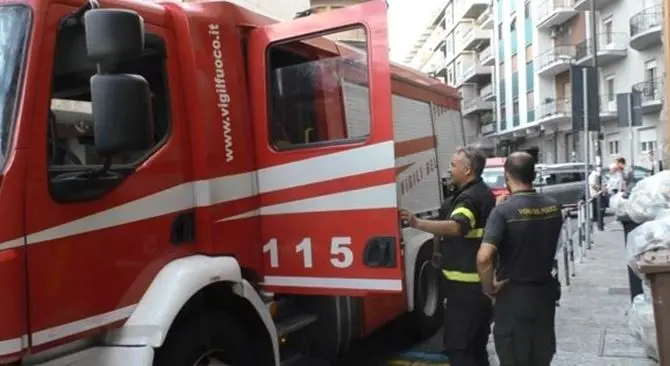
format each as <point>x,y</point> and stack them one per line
<point>611,47</point>
<point>485,21</point>
<point>475,73</point>
<point>475,105</point>
<point>553,111</point>
<point>551,13</point>
<point>585,5</point>
<point>488,124</point>
<point>474,8</point>
<point>474,37</point>
<point>645,28</point>
<point>486,57</point>
<point>608,109</point>
<point>487,93</point>
<point>555,60</point>
<point>436,61</point>
<point>651,95</point>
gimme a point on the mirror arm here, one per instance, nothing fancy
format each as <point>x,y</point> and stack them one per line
<point>75,18</point>
<point>104,169</point>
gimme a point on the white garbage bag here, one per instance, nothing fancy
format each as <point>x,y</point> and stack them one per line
<point>619,204</point>
<point>642,324</point>
<point>651,235</point>
<point>649,197</point>
<point>633,320</point>
<point>646,290</point>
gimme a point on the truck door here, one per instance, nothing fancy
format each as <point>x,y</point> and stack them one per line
<point>326,178</point>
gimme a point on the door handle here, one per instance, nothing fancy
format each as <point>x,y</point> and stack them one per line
<point>380,252</point>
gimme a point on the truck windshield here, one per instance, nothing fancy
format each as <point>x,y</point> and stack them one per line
<point>14,25</point>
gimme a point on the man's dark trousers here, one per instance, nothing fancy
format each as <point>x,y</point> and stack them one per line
<point>524,318</point>
<point>467,324</point>
<point>599,220</point>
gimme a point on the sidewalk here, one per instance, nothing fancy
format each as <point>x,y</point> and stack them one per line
<point>591,323</point>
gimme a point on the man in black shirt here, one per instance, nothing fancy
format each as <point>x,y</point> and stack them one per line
<point>460,227</point>
<point>523,230</point>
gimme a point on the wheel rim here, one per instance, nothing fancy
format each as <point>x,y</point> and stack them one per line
<point>215,357</point>
<point>428,289</point>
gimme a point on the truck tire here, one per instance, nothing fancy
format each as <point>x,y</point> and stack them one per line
<point>212,336</point>
<point>339,321</point>
<point>426,318</point>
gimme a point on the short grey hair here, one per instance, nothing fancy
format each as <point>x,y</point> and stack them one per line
<point>475,157</point>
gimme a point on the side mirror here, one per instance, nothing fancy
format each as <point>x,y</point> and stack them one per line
<point>121,113</point>
<point>113,34</point>
<point>121,103</point>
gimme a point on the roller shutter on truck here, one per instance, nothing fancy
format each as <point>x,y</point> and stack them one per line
<point>417,156</point>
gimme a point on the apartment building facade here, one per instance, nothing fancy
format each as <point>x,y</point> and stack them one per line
<point>456,48</point>
<point>537,41</point>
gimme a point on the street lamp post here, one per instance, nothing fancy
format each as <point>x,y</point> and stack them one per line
<point>595,89</point>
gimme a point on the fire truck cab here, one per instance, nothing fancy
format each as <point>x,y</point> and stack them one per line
<point>194,183</point>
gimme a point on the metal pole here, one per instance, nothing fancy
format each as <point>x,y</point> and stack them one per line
<point>596,114</point>
<point>587,158</point>
<point>631,143</point>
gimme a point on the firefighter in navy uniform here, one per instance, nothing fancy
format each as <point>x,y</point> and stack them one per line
<point>522,234</point>
<point>468,312</point>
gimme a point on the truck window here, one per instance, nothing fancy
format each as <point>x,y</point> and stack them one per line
<point>70,121</point>
<point>14,22</point>
<point>318,92</point>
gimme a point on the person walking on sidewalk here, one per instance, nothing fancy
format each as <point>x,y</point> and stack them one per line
<point>523,230</point>
<point>468,312</point>
<point>596,197</point>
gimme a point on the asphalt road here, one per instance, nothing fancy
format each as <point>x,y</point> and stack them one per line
<point>390,346</point>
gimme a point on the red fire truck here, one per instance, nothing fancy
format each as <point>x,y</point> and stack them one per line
<point>186,183</point>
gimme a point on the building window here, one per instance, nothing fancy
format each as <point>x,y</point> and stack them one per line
<point>647,146</point>
<point>526,9</point>
<point>530,100</point>
<point>503,111</point>
<point>513,60</point>
<point>512,25</point>
<point>529,53</point>
<point>501,70</point>
<point>610,88</point>
<point>515,107</point>
<point>500,31</point>
<point>650,70</point>
<point>608,29</point>
<point>613,147</point>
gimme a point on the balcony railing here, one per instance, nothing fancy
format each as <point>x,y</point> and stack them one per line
<point>486,91</point>
<point>554,107</point>
<point>650,90</point>
<point>646,20</point>
<point>485,54</point>
<point>554,12</point>
<point>609,41</point>
<point>485,20</point>
<point>487,118</point>
<point>561,53</point>
<point>645,28</point>
<point>607,104</point>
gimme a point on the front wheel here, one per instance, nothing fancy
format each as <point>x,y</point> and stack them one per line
<point>213,338</point>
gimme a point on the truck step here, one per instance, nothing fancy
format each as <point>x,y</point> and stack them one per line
<point>294,324</point>
<point>300,360</point>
